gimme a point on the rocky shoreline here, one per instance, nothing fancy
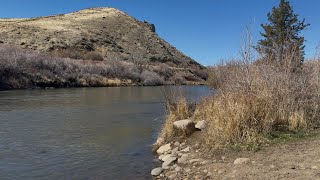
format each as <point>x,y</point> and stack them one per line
<point>184,158</point>
<point>180,159</point>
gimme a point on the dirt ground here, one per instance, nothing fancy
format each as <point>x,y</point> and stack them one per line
<point>299,159</point>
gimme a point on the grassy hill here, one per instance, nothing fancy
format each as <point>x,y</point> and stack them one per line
<point>99,36</point>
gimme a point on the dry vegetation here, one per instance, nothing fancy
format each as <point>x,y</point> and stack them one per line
<point>253,100</point>
<point>21,69</point>
<point>26,69</point>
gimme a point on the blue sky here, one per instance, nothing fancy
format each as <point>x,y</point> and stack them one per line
<point>206,30</point>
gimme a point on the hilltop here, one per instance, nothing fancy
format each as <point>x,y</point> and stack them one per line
<point>103,34</point>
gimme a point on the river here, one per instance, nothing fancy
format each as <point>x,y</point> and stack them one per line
<point>83,133</point>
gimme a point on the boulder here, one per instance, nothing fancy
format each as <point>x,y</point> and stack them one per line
<point>164,148</point>
<point>168,161</point>
<point>201,125</point>
<point>186,126</point>
<point>183,159</point>
<point>156,171</point>
<point>174,151</point>
<point>165,157</point>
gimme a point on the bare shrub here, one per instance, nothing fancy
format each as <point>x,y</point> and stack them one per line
<point>93,55</point>
<point>151,79</point>
<point>179,79</point>
<point>25,69</point>
<point>72,53</point>
<point>201,73</point>
<point>164,70</point>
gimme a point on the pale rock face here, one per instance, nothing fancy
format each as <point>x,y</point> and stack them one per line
<point>156,171</point>
<point>183,159</point>
<point>185,126</point>
<point>241,161</point>
<point>168,162</point>
<point>174,151</point>
<point>201,125</point>
<point>164,158</point>
<point>164,148</point>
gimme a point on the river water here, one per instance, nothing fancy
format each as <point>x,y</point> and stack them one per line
<point>83,133</point>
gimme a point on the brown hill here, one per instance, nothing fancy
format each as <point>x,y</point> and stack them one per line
<point>106,31</point>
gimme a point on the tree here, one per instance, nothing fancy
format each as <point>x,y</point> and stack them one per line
<point>282,44</point>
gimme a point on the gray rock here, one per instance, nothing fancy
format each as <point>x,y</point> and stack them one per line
<point>178,168</point>
<point>182,144</point>
<point>194,160</point>
<point>168,161</point>
<point>187,126</point>
<point>160,157</point>
<point>174,151</point>
<point>201,125</point>
<point>177,143</point>
<point>187,149</point>
<point>183,159</point>
<point>156,171</point>
<point>164,148</point>
<point>165,157</point>
<point>241,161</point>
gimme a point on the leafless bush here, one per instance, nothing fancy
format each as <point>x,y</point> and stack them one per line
<point>151,79</point>
<point>24,69</point>
<point>164,70</point>
<point>93,55</point>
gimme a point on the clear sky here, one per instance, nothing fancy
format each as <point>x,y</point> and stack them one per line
<point>206,30</point>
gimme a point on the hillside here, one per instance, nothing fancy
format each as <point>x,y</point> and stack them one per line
<point>105,30</point>
<point>104,35</point>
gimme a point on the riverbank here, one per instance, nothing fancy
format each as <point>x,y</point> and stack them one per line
<point>23,69</point>
<point>290,158</point>
<point>252,104</point>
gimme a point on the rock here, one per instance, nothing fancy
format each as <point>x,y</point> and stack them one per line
<point>205,171</point>
<point>314,167</point>
<point>187,149</point>
<point>241,161</point>
<point>194,160</point>
<point>164,148</point>
<point>177,143</point>
<point>156,171</point>
<point>174,151</point>
<point>187,170</point>
<point>201,125</point>
<point>183,159</point>
<point>172,176</point>
<point>168,161</point>
<point>161,157</point>
<point>182,145</point>
<point>178,169</point>
<point>186,126</point>
<point>165,157</point>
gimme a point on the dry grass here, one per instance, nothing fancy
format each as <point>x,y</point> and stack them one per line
<point>26,69</point>
<point>254,100</point>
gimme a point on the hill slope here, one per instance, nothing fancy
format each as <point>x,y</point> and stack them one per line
<point>114,50</point>
<point>108,31</point>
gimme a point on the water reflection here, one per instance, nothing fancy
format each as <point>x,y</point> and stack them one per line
<point>86,133</point>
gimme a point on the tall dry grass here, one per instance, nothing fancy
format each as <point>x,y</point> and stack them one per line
<point>252,100</point>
